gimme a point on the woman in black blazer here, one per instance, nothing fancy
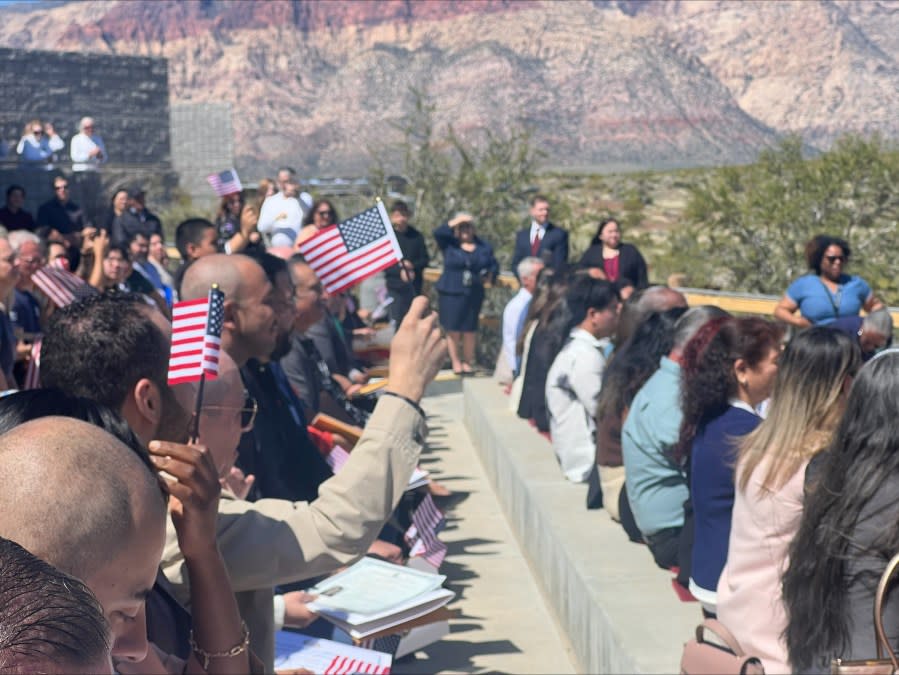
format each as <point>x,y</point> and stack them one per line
<point>609,259</point>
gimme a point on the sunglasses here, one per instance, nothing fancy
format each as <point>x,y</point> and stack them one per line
<point>325,214</point>
<point>61,187</point>
<point>37,132</point>
<point>833,258</point>
<point>247,412</point>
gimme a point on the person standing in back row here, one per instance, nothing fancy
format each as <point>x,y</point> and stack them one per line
<point>404,279</point>
<point>542,239</point>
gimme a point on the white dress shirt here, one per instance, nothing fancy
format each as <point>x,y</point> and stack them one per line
<point>536,229</point>
<point>513,322</point>
<point>572,389</point>
<point>81,147</point>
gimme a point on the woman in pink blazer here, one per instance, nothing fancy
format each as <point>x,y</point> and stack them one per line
<point>809,395</point>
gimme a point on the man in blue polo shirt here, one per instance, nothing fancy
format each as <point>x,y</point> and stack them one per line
<point>656,485</point>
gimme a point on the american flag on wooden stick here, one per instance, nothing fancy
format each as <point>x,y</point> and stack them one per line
<point>346,254</point>
<point>196,338</point>
<point>59,285</point>
<point>225,183</point>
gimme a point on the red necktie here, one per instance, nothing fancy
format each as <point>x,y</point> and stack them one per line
<point>535,245</point>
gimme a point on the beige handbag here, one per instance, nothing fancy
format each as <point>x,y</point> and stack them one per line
<point>880,665</point>
<point>723,656</point>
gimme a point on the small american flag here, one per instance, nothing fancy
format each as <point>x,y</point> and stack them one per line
<point>427,521</point>
<point>59,284</point>
<point>225,183</point>
<point>196,338</point>
<point>346,254</point>
<point>33,374</point>
<point>344,665</point>
<point>337,458</point>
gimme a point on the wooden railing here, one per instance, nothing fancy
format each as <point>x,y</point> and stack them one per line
<point>736,303</point>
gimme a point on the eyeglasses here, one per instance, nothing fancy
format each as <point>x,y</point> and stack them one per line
<point>60,187</point>
<point>37,132</point>
<point>299,291</point>
<point>30,260</point>
<point>833,258</point>
<point>325,214</point>
<point>247,412</point>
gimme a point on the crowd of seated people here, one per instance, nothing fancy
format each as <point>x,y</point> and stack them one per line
<point>169,538</point>
<point>194,534</point>
<point>758,465</point>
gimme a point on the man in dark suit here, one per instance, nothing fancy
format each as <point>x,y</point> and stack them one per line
<point>542,239</point>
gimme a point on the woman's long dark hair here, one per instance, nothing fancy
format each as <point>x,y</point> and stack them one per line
<point>862,456</point>
<point>636,361</point>
<point>309,218</point>
<point>708,381</point>
<point>602,225</point>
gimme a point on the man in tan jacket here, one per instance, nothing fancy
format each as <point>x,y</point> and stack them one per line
<point>274,541</point>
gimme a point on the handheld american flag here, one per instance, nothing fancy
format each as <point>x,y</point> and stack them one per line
<point>225,183</point>
<point>196,338</point>
<point>60,285</point>
<point>346,254</point>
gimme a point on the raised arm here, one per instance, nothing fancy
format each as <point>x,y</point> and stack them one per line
<point>219,638</point>
<point>298,540</point>
<point>445,237</point>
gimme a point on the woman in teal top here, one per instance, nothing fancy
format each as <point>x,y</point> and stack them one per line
<point>827,293</point>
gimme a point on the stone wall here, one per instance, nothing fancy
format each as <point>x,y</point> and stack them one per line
<point>127,96</point>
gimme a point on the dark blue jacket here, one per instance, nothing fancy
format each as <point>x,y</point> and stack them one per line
<point>712,463</point>
<point>553,247</point>
<point>480,262</point>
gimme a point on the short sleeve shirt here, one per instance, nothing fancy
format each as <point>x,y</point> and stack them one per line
<point>820,306</point>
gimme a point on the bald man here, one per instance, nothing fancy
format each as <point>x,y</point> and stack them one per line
<point>278,451</point>
<point>250,327</point>
<point>103,520</point>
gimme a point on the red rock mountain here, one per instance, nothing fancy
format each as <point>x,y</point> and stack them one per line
<point>603,84</point>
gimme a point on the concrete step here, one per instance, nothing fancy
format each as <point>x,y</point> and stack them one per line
<point>506,625</point>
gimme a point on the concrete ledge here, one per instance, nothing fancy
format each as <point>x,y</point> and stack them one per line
<point>617,608</point>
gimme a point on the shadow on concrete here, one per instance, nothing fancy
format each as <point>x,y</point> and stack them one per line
<point>461,546</point>
<point>456,656</point>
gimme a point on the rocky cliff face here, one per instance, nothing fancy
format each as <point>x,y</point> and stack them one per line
<point>604,84</point>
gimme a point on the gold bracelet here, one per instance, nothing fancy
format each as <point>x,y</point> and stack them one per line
<point>236,650</point>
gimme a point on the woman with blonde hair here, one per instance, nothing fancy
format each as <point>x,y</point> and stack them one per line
<point>814,374</point>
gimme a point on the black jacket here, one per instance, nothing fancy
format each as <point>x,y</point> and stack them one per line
<point>415,250</point>
<point>631,265</point>
<point>553,248</point>
<point>278,451</point>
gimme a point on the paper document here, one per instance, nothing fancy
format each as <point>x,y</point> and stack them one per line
<point>419,479</point>
<point>398,619</point>
<point>371,588</point>
<point>295,650</point>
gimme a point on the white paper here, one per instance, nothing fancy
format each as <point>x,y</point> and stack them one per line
<point>295,650</point>
<point>371,588</point>
<point>419,478</point>
<point>418,607</point>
